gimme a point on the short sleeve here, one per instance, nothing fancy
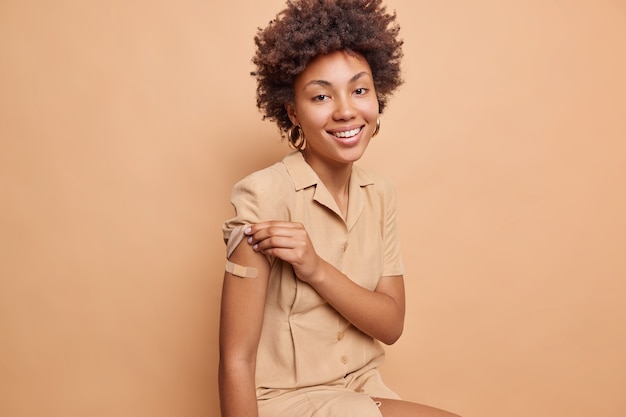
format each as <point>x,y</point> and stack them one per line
<point>262,196</point>
<point>392,257</point>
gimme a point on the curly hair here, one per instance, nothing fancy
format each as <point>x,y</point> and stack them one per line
<point>307,28</point>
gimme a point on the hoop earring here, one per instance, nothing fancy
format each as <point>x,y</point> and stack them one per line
<point>377,128</point>
<point>295,138</point>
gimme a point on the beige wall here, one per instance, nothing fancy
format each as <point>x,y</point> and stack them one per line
<point>123,126</point>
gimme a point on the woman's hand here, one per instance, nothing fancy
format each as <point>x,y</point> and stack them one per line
<point>287,241</point>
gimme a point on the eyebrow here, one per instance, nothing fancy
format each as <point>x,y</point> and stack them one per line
<point>328,84</point>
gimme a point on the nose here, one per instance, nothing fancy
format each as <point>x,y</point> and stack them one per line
<point>344,109</point>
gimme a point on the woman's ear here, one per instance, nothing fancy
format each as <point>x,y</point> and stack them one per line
<point>291,112</point>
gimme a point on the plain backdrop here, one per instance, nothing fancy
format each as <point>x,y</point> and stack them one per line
<point>124,125</point>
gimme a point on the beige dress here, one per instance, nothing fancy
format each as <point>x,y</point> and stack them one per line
<point>310,360</point>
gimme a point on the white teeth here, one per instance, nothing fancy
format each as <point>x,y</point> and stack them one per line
<point>347,134</point>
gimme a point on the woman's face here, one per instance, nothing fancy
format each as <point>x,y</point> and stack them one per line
<point>336,107</point>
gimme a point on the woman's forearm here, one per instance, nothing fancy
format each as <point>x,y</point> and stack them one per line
<point>379,313</point>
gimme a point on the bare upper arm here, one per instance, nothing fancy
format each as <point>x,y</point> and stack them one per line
<point>243,303</point>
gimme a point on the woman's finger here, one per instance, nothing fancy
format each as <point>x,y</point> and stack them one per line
<point>284,242</point>
<point>266,231</point>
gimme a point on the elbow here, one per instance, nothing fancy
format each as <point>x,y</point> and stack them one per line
<point>390,340</point>
<point>235,368</point>
<point>392,336</point>
<point>237,360</point>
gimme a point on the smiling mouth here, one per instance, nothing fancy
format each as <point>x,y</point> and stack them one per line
<point>348,133</point>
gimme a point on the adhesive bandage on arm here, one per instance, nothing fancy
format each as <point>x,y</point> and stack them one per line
<point>236,236</point>
<point>241,271</point>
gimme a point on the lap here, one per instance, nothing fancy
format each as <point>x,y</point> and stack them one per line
<point>361,394</point>
<point>321,403</point>
<point>350,396</point>
<point>344,403</point>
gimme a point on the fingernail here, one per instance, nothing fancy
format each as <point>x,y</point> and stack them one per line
<point>256,246</point>
<point>248,230</point>
<point>250,239</point>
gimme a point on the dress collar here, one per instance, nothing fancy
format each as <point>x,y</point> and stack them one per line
<point>303,176</point>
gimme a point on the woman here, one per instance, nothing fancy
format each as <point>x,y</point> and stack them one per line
<point>313,278</point>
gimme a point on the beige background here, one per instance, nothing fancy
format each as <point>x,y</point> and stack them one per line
<point>123,126</point>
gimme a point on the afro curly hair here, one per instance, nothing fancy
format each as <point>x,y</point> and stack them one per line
<point>307,28</point>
